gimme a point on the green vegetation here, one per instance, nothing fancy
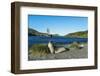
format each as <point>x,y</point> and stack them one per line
<point>81,34</point>
<point>32,32</point>
<point>39,50</point>
<point>76,45</point>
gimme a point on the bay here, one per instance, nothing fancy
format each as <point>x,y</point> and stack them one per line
<point>57,40</point>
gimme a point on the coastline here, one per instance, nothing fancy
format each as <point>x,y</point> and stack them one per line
<point>73,53</point>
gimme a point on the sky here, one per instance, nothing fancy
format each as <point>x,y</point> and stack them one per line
<point>61,25</point>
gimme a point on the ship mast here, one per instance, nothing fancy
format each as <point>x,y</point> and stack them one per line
<point>48,31</point>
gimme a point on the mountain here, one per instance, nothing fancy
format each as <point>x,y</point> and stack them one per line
<point>80,34</point>
<point>32,32</point>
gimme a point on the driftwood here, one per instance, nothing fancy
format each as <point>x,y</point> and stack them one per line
<point>53,50</point>
<point>61,49</point>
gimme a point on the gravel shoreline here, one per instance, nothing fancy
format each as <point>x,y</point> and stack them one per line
<point>73,53</point>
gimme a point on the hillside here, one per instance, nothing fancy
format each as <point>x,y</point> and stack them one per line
<point>32,32</point>
<point>80,34</point>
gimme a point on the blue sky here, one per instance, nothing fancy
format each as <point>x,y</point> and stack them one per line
<point>61,25</point>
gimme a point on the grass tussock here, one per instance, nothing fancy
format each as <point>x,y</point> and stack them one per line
<point>76,45</point>
<point>39,50</point>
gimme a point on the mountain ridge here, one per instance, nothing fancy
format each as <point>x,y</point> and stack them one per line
<point>79,34</point>
<point>83,34</point>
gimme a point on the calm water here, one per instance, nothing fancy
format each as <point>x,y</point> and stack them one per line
<point>62,40</point>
